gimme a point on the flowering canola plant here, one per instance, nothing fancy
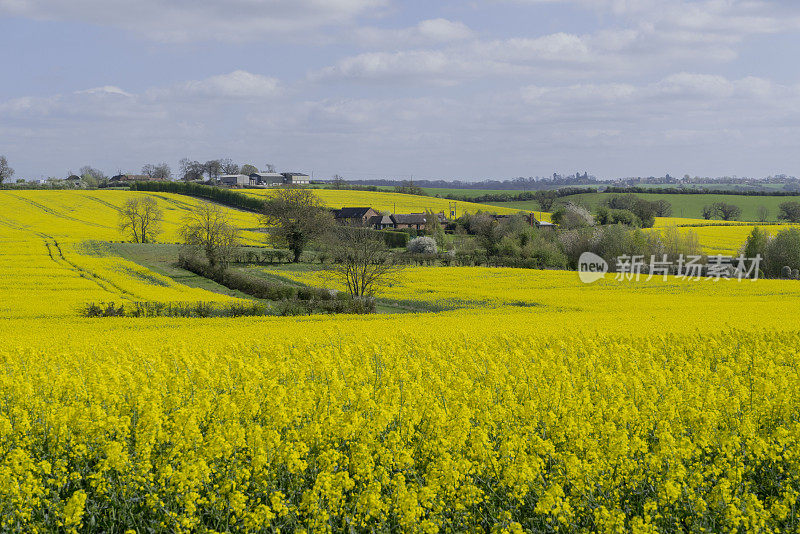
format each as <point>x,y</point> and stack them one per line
<point>384,201</point>
<point>535,404</point>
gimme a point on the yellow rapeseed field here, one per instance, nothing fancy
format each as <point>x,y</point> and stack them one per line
<point>384,201</point>
<point>535,404</point>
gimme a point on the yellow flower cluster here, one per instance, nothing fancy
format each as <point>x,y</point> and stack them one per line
<point>404,431</point>
<point>95,214</point>
<point>384,201</point>
<point>537,403</point>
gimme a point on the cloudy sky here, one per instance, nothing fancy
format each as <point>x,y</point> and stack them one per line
<point>388,88</point>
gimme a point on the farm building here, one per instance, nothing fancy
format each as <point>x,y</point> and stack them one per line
<point>296,178</point>
<point>355,216</point>
<point>269,179</point>
<point>381,222</point>
<point>416,221</point>
<point>235,180</point>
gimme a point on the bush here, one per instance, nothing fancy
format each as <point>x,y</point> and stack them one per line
<point>395,239</point>
<point>645,210</point>
<point>783,251</point>
<point>422,245</point>
<point>573,216</point>
<point>789,211</point>
<point>617,216</point>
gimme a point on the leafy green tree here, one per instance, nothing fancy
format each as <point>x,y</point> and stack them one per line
<point>248,169</point>
<point>789,211</point>
<point>727,212</point>
<point>782,251</point>
<point>295,217</point>
<point>756,243</point>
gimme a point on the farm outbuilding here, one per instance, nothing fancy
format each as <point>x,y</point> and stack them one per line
<point>355,216</point>
<point>235,180</point>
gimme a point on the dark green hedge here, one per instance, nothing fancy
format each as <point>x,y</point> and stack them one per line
<point>219,195</point>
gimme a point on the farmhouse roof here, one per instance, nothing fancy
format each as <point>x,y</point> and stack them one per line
<point>409,218</point>
<point>381,219</point>
<point>351,213</point>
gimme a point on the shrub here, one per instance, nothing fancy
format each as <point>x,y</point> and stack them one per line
<point>645,210</point>
<point>783,251</point>
<point>614,216</point>
<point>422,245</point>
<point>395,239</point>
<point>573,216</point>
<point>789,211</point>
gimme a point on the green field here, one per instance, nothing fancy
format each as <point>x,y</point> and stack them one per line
<point>688,206</point>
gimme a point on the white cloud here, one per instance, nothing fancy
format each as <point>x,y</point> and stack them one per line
<point>426,32</point>
<point>200,20</point>
<point>109,90</point>
<point>238,84</point>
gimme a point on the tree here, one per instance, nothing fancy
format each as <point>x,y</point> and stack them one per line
<point>338,182</point>
<point>228,166</point>
<point>409,188</point>
<point>708,212</point>
<point>663,208</point>
<point>248,169</point>
<point>295,217</point>
<point>789,211</point>
<point>6,172</point>
<point>763,213</point>
<point>433,227</point>
<point>213,168</point>
<point>191,170</point>
<point>270,167</point>
<point>573,216</point>
<point>157,172</point>
<point>149,170</point>
<point>645,210</point>
<point>141,218</point>
<point>782,251</point>
<point>91,176</point>
<point>756,243</point>
<point>362,262</point>
<point>206,230</point>
<point>727,211</point>
<point>545,199</point>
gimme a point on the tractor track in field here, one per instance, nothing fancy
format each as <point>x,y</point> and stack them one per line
<point>58,257</point>
<point>54,213</point>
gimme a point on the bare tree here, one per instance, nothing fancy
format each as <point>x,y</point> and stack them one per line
<point>91,176</point>
<point>149,170</point>
<point>6,172</point>
<point>295,217</point>
<point>213,169</point>
<point>157,172</point>
<point>270,167</point>
<point>228,166</point>
<point>338,182</point>
<point>763,213</point>
<point>362,262</point>
<point>206,230</point>
<point>190,170</point>
<point>141,218</point>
